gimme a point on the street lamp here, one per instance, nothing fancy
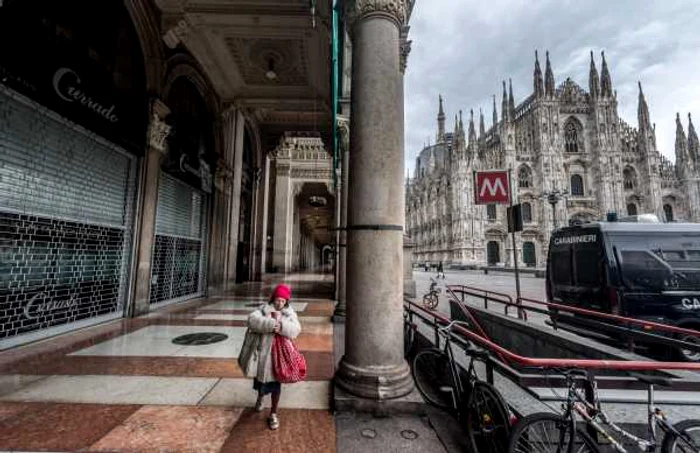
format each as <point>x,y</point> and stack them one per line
<point>553,197</point>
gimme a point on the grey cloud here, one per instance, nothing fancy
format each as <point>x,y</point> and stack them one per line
<point>463,49</point>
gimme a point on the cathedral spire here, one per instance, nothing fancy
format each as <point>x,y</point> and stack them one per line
<point>504,104</point>
<point>441,122</point>
<point>693,144</point>
<point>548,79</point>
<point>461,124</point>
<point>511,101</point>
<point>495,113</point>
<point>605,81</point>
<point>538,84</point>
<point>472,131</point>
<point>482,127</point>
<point>681,144</point>
<point>642,111</point>
<point>593,80</point>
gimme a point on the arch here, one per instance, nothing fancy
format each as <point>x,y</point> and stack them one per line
<point>529,254</point>
<point>629,178</point>
<point>143,16</point>
<point>526,209</point>
<point>632,209</point>
<point>668,212</point>
<point>183,65</point>
<point>524,177</point>
<point>577,185</point>
<point>493,254</point>
<point>573,134</point>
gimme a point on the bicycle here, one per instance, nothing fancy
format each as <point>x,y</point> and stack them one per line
<point>561,431</point>
<point>432,297</point>
<point>478,405</point>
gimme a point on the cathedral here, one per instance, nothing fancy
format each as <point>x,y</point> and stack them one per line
<point>571,158</point>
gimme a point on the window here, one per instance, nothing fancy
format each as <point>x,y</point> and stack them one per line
<point>668,212</point>
<point>587,260</point>
<point>524,177</point>
<point>571,137</point>
<point>560,266</point>
<point>527,212</point>
<point>631,209</point>
<point>577,185</point>
<point>529,256</point>
<point>629,177</point>
<point>491,212</point>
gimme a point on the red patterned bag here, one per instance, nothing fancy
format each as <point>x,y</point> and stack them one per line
<point>288,364</point>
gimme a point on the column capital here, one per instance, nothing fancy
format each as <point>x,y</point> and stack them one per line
<point>158,130</point>
<point>360,9</point>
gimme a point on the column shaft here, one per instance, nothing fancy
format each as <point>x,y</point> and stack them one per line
<point>282,217</point>
<point>374,366</point>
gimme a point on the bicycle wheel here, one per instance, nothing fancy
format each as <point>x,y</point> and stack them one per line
<point>688,440</point>
<point>433,377</point>
<point>430,300</point>
<point>487,420</point>
<point>548,433</point>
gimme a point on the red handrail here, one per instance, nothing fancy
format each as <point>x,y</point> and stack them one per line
<point>487,291</point>
<point>628,365</point>
<point>657,325</point>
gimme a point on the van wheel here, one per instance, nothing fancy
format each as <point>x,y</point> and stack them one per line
<point>687,354</point>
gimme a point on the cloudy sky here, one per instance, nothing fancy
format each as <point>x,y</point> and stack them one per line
<point>462,49</point>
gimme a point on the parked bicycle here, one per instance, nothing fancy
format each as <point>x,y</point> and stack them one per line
<point>547,432</point>
<point>432,297</point>
<point>478,405</point>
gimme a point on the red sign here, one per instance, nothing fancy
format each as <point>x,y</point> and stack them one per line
<point>491,187</point>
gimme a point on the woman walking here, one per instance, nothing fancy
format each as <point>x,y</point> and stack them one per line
<point>272,318</point>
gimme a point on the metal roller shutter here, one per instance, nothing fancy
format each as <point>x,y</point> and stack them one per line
<point>66,222</point>
<point>179,261</point>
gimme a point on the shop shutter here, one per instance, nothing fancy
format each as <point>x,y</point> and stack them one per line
<point>179,261</point>
<point>66,220</point>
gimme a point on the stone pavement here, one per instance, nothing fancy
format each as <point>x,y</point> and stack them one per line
<point>126,387</point>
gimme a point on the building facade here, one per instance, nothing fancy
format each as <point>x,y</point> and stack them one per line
<point>571,159</point>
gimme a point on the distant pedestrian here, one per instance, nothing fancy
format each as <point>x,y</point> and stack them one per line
<point>274,317</point>
<point>440,270</point>
<point>426,266</point>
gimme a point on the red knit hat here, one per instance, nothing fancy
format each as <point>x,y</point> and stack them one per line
<point>283,291</point>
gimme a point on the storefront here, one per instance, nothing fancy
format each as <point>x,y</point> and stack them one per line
<point>178,268</point>
<point>72,127</point>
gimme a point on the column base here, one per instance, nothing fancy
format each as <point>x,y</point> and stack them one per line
<point>377,383</point>
<point>339,313</point>
<point>411,404</point>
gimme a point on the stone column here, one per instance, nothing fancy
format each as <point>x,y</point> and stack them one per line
<point>281,240</point>
<point>264,215</point>
<point>339,314</point>
<point>150,179</point>
<point>234,128</point>
<point>373,365</point>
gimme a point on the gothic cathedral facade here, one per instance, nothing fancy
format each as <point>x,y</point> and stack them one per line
<point>571,159</point>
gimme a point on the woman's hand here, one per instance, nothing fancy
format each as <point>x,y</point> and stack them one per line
<point>277,327</point>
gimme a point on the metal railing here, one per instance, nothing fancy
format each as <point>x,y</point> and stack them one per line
<point>619,325</point>
<point>532,362</point>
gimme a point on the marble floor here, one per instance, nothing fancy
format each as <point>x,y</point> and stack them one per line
<point>126,387</point>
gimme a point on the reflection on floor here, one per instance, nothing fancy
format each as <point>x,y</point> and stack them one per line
<point>126,386</point>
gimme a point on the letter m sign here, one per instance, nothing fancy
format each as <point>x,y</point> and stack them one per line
<point>491,187</point>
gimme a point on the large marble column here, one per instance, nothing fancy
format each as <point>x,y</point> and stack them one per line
<point>373,365</point>
<point>150,179</point>
<point>234,128</point>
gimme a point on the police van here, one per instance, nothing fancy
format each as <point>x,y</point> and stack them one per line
<point>648,271</point>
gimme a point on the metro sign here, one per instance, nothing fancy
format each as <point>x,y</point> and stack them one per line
<point>491,187</point>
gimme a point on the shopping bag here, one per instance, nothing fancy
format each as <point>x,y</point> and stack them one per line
<point>288,364</point>
<point>248,357</point>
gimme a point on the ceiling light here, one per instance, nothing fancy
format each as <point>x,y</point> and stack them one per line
<point>271,74</point>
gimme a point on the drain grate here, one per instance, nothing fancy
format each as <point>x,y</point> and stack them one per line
<point>200,338</point>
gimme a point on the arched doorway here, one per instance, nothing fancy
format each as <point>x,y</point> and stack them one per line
<point>493,254</point>
<point>529,255</point>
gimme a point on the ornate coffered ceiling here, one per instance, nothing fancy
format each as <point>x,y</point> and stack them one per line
<point>238,42</point>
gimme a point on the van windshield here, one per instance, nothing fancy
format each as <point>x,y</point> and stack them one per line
<point>658,261</point>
